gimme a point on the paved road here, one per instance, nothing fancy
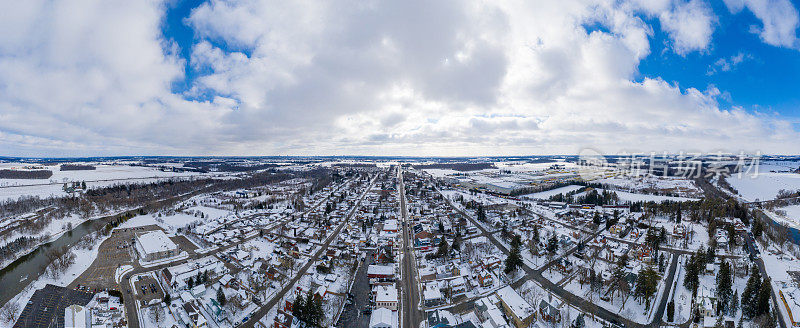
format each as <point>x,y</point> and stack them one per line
<point>657,318</point>
<point>255,317</point>
<point>579,302</point>
<point>412,315</point>
<point>760,263</point>
<point>124,284</point>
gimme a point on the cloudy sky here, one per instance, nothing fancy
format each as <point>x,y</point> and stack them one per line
<point>495,77</point>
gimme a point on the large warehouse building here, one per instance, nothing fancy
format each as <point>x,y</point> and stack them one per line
<point>155,245</point>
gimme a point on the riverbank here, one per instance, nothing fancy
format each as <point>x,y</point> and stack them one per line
<point>56,234</point>
<point>83,259</point>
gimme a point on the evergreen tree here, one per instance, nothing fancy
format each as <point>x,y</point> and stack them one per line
<point>167,299</point>
<point>299,308</point>
<point>758,228</point>
<point>552,245</point>
<point>481,213</point>
<point>190,282</point>
<point>221,297</point>
<point>763,300</point>
<point>734,307</point>
<point>646,284</point>
<point>724,284</point>
<point>443,249</point>
<point>694,266</point>
<point>514,260</point>
<point>750,294</point>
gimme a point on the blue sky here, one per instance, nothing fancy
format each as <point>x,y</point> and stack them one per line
<point>345,77</point>
<point>767,80</point>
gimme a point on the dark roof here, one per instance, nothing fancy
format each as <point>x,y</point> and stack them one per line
<point>466,324</point>
<point>436,321</point>
<point>46,307</point>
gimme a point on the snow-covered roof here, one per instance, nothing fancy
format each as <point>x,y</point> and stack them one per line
<point>380,269</point>
<point>156,241</point>
<point>382,317</point>
<point>431,294</point>
<point>385,294</point>
<point>516,303</point>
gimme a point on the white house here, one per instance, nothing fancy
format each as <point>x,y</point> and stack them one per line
<point>383,318</point>
<point>385,296</point>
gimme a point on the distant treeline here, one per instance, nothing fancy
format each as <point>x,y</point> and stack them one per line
<point>207,166</point>
<point>457,166</point>
<point>15,174</point>
<point>77,167</point>
<point>355,165</point>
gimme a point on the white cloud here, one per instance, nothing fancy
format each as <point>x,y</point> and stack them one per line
<point>728,64</point>
<point>689,24</point>
<point>303,77</point>
<point>779,19</point>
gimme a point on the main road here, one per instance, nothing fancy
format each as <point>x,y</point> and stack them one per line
<point>412,315</point>
<point>256,316</point>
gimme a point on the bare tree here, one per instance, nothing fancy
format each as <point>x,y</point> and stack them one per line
<point>9,312</point>
<point>157,314</point>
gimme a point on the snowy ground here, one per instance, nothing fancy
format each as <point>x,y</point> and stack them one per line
<point>547,194</point>
<point>482,198</point>
<point>83,259</point>
<point>788,214</point>
<point>103,176</point>
<point>764,186</point>
<point>625,196</point>
<point>672,184</point>
<point>630,309</point>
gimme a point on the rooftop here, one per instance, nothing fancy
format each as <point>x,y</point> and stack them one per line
<point>156,241</point>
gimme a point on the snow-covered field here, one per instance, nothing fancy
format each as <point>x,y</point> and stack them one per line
<point>778,166</point>
<point>788,214</point>
<point>652,182</point>
<point>177,220</point>
<point>103,176</point>
<point>548,193</point>
<point>764,186</point>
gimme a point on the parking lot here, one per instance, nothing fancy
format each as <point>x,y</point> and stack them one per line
<point>354,314</point>
<point>113,253</point>
<point>184,244</point>
<point>46,306</point>
<point>147,289</point>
